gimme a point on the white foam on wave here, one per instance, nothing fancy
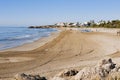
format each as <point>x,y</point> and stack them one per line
<point>21,37</point>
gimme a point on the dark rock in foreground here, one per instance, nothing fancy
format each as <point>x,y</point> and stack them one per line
<point>28,77</point>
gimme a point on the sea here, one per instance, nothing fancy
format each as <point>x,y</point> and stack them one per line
<point>11,37</point>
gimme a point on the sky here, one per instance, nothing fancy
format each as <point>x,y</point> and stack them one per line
<point>45,12</point>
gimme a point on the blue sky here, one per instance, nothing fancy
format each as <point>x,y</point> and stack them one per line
<point>43,12</point>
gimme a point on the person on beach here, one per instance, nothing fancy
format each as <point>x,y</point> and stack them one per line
<point>118,33</point>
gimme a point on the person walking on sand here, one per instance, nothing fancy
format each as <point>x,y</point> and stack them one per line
<point>118,33</point>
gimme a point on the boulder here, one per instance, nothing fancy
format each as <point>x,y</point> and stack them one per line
<point>101,70</point>
<point>67,73</point>
<point>28,77</point>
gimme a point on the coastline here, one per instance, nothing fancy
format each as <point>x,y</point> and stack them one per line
<point>35,44</point>
<point>42,41</point>
<point>67,49</point>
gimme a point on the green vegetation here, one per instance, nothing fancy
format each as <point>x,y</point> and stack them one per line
<point>108,24</point>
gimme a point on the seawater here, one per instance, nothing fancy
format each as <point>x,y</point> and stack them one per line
<point>15,36</point>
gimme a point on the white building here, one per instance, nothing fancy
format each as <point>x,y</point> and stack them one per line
<point>60,24</point>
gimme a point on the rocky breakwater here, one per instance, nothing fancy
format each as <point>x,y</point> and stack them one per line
<point>106,69</point>
<point>47,26</point>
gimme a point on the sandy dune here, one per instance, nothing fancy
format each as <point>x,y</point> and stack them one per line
<point>71,49</point>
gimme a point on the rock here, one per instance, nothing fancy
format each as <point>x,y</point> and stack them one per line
<point>20,76</point>
<point>28,77</point>
<point>116,69</point>
<point>66,73</point>
<point>31,27</point>
<point>71,72</point>
<point>46,26</point>
<point>101,70</point>
<point>113,76</point>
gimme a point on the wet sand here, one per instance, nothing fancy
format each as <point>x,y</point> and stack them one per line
<point>70,49</point>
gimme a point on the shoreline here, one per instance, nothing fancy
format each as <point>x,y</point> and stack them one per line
<point>67,49</point>
<point>35,44</point>
<point>44,40</point>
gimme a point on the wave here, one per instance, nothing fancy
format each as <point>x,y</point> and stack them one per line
<point>21,37</point>
<point>16,38</point>
<point>11,37</point>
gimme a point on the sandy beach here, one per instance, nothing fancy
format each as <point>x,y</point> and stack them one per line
<point>65,50</point>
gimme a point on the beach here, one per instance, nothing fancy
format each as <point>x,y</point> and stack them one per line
<point>65,50</point>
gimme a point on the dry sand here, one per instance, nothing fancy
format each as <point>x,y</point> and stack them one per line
<point>71,49</point>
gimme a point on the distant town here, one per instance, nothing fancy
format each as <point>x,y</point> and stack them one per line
<point>78,24</point>
<point>91,23</point>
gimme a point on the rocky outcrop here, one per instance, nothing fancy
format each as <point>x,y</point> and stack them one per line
<point>47,26</point>
<point>67,73</point>
<point>106,69</point>
<point>101,70</point>
<point>28,77</point>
